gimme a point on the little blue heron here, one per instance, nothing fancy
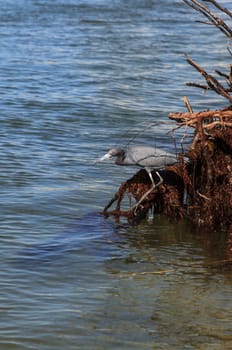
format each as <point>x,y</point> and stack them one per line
<point>144,157</point>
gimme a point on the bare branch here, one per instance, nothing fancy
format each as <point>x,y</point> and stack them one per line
<point>187,104</point>
<point>223,9</point>
<point>208,119</point>
<point>200,86</point>
<point>226,76</point>
<point>230,75</point>
<point>214,19</point>
<point>212,83</point>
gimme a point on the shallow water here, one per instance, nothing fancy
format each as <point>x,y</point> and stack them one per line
<point>78,77</point>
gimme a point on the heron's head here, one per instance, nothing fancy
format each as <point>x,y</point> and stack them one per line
<point>113,152</point>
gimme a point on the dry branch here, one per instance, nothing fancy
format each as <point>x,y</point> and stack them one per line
<point>211,16</point>
<point>223,9</point>
<point>212,83</point>
<point>206,120</point>
<point>199,188</point>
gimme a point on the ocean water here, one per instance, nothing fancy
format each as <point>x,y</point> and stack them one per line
<point>76,78</point>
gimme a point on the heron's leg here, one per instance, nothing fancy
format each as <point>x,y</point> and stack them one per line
<point>110,202</point>
<point>161,180</point>
<point>154,185</point>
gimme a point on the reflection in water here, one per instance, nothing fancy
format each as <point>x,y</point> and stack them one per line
<point>125,286</point>
<point>92,233</point>
<point>169,305</point>
<point>169,270</point>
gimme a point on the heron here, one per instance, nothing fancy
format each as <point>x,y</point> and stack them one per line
<point>147,157</point>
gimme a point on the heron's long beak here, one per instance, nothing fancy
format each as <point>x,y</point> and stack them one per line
<point>106,156</point>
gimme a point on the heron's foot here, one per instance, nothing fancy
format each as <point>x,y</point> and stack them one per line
<point>135,209</point>
<point>137,205</point>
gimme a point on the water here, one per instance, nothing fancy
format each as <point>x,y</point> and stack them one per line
<point>78,77</point>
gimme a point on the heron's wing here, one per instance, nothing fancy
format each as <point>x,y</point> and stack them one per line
<point>150,157</point>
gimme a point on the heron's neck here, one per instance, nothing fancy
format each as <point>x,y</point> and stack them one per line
<point>120,158</point>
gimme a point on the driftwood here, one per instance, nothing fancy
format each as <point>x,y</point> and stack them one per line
<point>206,122</point>
<point>199,188</point>
<point>209,180</point>
<point>166,199</point>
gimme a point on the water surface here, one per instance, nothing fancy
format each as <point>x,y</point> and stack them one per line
<point>78,77</point>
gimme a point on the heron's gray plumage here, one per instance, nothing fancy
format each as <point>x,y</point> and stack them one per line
<point>142,156</point>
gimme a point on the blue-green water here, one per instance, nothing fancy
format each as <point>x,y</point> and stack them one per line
<point>76,78</point>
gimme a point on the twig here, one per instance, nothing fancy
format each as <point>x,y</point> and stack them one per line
<point>187,104</point>
<point>217,117</point>
<point>226,76</point>
<point>230,75</point>
<point>203,196</point>
<point>218,22</point>
<point>134,274</point>
<point>200,86</point>
<point>214,264</point>
<point>212,82</point>
<point>223,9</point>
